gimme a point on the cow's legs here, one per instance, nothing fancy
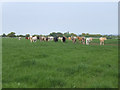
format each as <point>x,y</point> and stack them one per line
<point>31,40</point>
<point>87,42</point>
<point>100,43</point>
<point>103,43</point>
<point>79,41</point>
<point>83,42</point>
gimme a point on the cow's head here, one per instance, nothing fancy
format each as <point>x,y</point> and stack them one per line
<point>105,38</point>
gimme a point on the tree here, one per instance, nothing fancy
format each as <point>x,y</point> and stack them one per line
<point>4,35</point>
<point>83,34</point>
<point>72,34</point>
<point>27,35</point>
<point>54,34</point>
<point>59,34</point>
<point>67,34</point>
<point>87,34</point>
<point>20,36</point>
<point>35,35</point>
<point>12,34</point>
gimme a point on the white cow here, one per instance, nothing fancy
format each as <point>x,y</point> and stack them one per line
<point>43,38</point>
<point>33,39</point>
<point>75,37</point>
<point>60,38</point>
<point>102,40</point>
<point>30,39</point>
<point>50,38</point>
<point>88,40</point>
<point>19,38</point>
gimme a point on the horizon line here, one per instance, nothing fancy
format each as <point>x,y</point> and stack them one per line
<point>59,1</point>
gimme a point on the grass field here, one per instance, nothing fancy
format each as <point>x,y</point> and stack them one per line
<point>59,65</point>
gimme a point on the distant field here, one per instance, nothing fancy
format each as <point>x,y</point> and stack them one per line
<point>59,65</point>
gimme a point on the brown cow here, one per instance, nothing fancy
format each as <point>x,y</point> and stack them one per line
<point>81,39</point>
<point>69,38</point>
<point>26,37</point>
<point>73,39</point>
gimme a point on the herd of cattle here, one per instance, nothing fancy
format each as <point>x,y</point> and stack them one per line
<point>63,39</point>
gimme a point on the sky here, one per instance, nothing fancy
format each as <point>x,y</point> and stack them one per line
<point>46,17</point>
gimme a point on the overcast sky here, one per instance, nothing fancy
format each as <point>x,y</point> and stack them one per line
<point>47,17</point>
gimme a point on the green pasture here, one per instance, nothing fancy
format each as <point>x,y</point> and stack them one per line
<point>59,65</point>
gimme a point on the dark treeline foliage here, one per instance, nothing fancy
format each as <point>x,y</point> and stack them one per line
<point>54,34</point>
<point>91,35</point>
<point>59,34</point>
<point>12,34</point>
<point>4,35</point>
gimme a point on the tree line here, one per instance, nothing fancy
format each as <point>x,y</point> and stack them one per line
<point>59,34</point>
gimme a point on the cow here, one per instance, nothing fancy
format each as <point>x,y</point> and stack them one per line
<point>30,39</point>
<point>64,39</point>
<point>73,39</point>
<point>69,38</point>
<point>60,38</point>
<point>46,39</point>
<point>50,38</point>
<point>102,39</point>
<point>33,39</point>
<point>19,38</point>
<point>43,38</point>
<point>55,39</point>
<point>81,39</point>
<point>88,40</point>
<point>38,37</point>
<point>26,37</point>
